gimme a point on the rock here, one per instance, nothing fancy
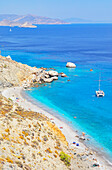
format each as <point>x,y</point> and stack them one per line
<point>53,73</point>
<point>48,80</point>
<point>82,138</point>
<point>33,77</point>
<point>77,136</point>
<point>70,64</point>
<point>55,78</point>
<point>9,57</point>
<point>63,75</point>
<point>46,76</point>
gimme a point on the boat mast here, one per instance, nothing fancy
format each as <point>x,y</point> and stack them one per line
<point>99,80</point>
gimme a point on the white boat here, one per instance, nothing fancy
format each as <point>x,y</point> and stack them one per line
<point>100,93</point>
<point>10,30</point>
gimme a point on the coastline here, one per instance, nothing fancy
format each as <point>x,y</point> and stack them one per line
<point>70,134</point>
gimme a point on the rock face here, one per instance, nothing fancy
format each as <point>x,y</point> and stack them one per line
<point>70,64</point>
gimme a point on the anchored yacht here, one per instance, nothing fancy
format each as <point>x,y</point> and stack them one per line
<point>100,93</point>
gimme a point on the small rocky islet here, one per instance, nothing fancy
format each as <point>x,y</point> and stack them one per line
<point>29,140</point>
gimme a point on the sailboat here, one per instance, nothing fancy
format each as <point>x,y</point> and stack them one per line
<point>100,93</point>
<point>10,30</point>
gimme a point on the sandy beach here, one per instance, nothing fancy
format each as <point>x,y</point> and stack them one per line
<point>71,136</point>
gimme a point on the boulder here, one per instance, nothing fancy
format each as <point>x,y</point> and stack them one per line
<point>9,57</point>
<point>46,76</point>
<point>55,78</point>
<point>63,75</point>
<point>53,73</point>
<point>70,64</point>
<point>48,80</point>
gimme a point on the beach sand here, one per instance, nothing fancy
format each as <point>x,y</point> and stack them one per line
<point>16,95</point>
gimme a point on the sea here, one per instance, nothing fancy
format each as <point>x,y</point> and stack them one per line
<point>89,46</point>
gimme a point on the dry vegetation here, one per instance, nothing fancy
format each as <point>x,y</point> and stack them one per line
<point>27,139</point>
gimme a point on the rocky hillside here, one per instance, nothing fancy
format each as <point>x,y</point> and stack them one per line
<point>13,73</point>
<point>28,140</point>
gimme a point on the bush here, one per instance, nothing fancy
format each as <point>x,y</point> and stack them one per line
<point>65,158</point>
<point>5,66</point>
<point>10,99</point>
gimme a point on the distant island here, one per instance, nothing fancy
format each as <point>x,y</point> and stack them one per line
<point>27,20</point>
<point>31,21</point>
<point>77,20</point>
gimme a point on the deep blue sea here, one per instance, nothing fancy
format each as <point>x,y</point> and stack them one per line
<point>89,46</point>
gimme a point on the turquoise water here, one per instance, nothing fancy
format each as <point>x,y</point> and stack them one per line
<point>89,47</point>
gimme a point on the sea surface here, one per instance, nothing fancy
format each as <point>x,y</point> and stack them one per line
<point>89,46</point>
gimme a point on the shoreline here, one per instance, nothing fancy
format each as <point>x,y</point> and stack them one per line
<point>87,142</point>
<point>69,133</point>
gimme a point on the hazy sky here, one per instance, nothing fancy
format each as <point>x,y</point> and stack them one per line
<point>87,9</point>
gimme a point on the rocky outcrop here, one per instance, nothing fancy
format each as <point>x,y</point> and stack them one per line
<point>70,64</point>
<point>9,57</point>
<point>17,74</point>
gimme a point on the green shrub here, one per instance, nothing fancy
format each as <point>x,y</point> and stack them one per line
<point>65,158</point>
<point>5,66</point>
<point>10,99</point>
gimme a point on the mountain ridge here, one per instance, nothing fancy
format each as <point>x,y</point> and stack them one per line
<point>27,20</point>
